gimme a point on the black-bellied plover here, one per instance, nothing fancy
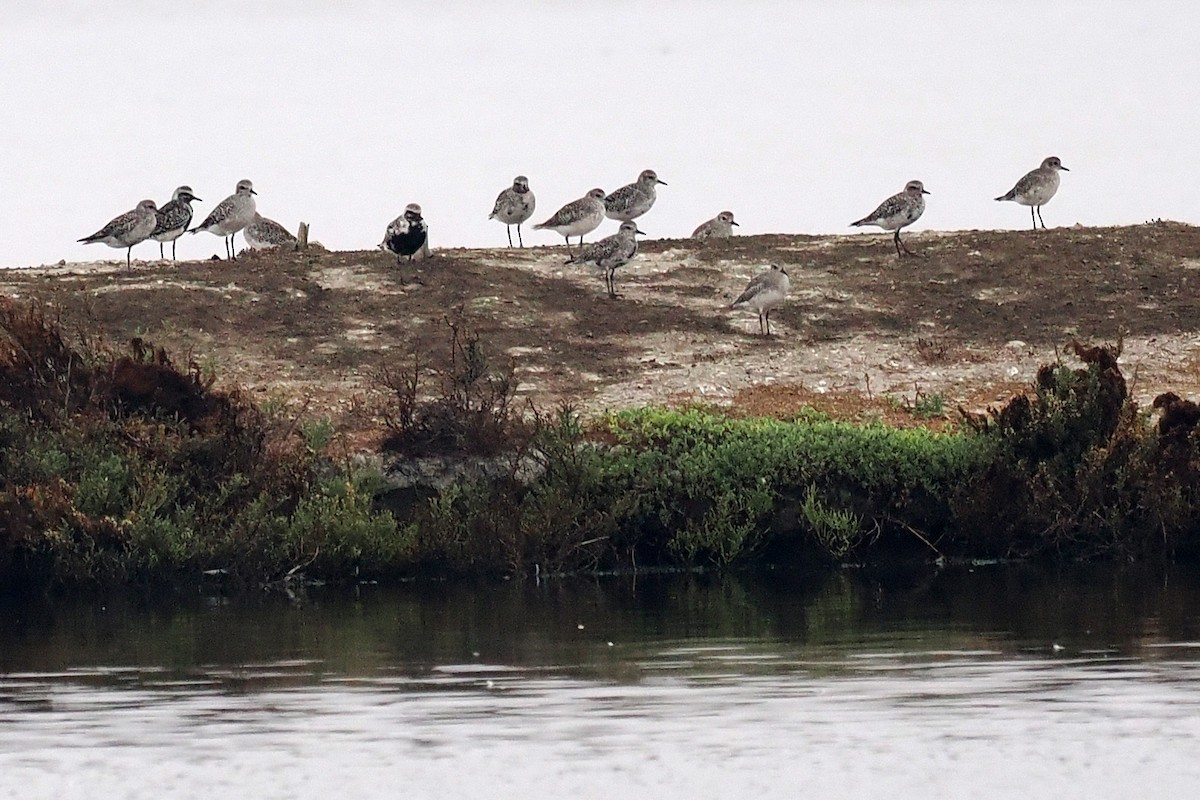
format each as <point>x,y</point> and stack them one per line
<point>766,291</point>
<point>576,218</point>
<point>1037,187</point>
<point>263,233</point>
<point>898,211</point>
<point>513,206</point>
<point>634,199</point>
<point>719,227</point>
<point>132,227</point>
<point>610,253</point>
<point>173,219</point>
<point>407,235</point>
<point>230,216</point>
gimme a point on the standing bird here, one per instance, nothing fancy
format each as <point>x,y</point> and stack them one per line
<point>719,227</point>
<point>898,211</point>
<point>231,215</point>
<point>611,252</point>
<point>634,199</point>
<point>577,217</point>
<point>513,206</point>
<point>173,219</point>
<point>1037,187</point>
<point>407,234</point>
<point>263,233</point>
<point>766,291</point>
<point>132,227</point>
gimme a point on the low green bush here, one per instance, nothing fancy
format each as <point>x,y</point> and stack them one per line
<point>117,467</point>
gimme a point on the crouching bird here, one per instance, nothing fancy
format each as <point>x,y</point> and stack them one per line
<point>407,235</point>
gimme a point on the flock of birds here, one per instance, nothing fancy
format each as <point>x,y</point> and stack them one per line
<point>235,213</point>
<point>408,234</point>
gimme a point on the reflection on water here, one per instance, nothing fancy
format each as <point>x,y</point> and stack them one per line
<point>962,684</point>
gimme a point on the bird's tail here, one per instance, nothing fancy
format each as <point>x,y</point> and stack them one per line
<point>1010,196</point>
<point>859,223</point>
<point>88,239</point>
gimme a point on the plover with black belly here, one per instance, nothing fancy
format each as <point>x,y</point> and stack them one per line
<point>230,216</point>
<point>513,206</point>
<point>766,291</point>
<point>263,233</point>
<point>719,227</point>
<point>898,211</point>
<point>634,199</point>
<point>407,234</point>
<point>576,218</point>
<point>173,219</point>
<point>132,227</point>
<point>1037,187</point>
<point>610,253</point>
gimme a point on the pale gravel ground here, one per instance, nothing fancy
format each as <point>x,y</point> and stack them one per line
<point>667,367</point>
<point>715,368</point>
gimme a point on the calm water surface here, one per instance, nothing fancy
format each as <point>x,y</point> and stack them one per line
<point>966,683</point>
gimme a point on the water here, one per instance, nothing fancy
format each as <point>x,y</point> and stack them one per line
<point>798,116</point>
<point>974,684</point>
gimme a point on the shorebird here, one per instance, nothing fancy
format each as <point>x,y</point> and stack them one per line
<point>263,233</point>
<point>230,216</point>
<point>766,291</point>
<point>1037,187</point>
<point>634,199</point>
<point>173,219</point>
<point>719,227</point>
<point>513,206</point>
<point>611,252</point>
<point>577,217</point>
<point>132,227</point>
<point>898,211</point>
<point>407,234</point>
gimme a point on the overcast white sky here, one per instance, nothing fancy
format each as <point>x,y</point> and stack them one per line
<point>799,117</point>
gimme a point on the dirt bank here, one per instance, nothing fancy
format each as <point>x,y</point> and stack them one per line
<point>863,331</point>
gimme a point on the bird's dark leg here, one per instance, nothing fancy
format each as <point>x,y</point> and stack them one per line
<point>160,251</point>
<point>767,317</point>
<point>1032,217</point>
<point>129,257</point>
<point>896,240</point>
<point>519,239</point>
<point>173,243</point>
<point>508,228</point>
<point>900,243</point>
<point>1039,210</point>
